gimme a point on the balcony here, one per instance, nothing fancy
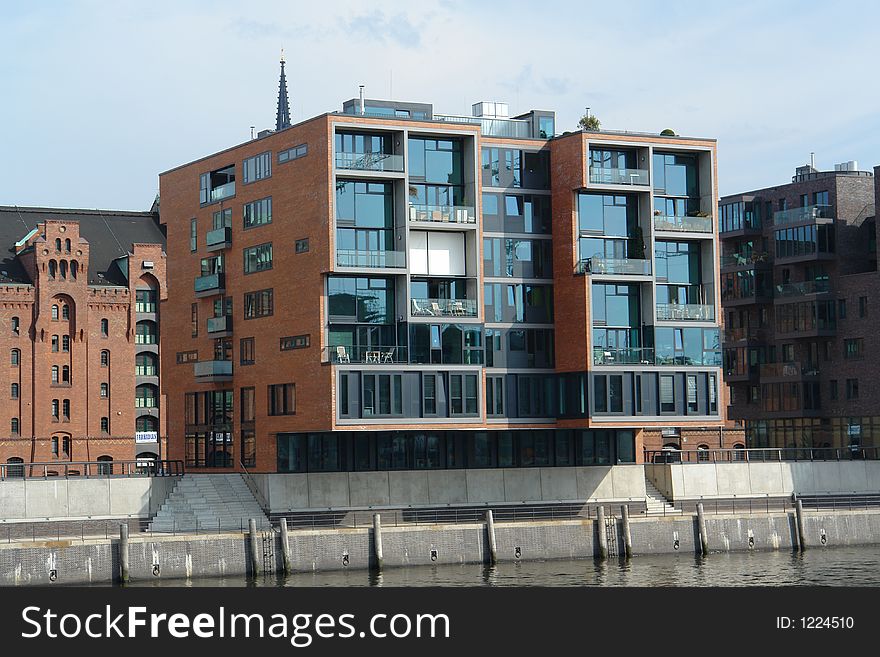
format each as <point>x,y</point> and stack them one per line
<point>356,355</point>
<point>687,311</point>
<point>213,371</point>
<point>811,214</point>
<point>624,356</point>
<point>740,375</point>
<point>491,126</point>
<point>443,307</point>
<point>370,162</point>
<point>221,192</point>
<point>663,223</point>
<point>206,286</point>
<point>603,176</point>
<point>786,291</point>
<point>744,334</point>
<point>219,239</point>
<point>749,261</point>
<point>614,266</point>
<point>220,327</point>
<point>788,371</point>
<point>457,214</point>
<point>370,259</point>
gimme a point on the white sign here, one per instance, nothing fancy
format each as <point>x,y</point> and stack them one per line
<point>146,436</point>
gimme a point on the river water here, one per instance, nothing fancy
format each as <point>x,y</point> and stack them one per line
<point>819,567</point>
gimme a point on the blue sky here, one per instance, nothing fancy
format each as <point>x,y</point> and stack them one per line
<point>98,97</point>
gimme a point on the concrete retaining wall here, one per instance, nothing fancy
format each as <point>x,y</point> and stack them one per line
<point>179,557</point>
<point>77,498</point>
<point>341,490</point>
<point>724,480</point>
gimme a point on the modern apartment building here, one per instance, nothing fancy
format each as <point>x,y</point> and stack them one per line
<point>79,335</point>
<point>387,287</point>
<point>799,281</point>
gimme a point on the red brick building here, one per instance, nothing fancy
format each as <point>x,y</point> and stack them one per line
<point>79,326</point>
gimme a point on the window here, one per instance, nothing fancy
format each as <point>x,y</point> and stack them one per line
<point>246,351</point>
<point>193,236</point>
<point>258,258</point>
<point>105,328</point>
<point>105,358</point>
<point>55,374</point>
<point>248,405</point>
<point>15,467</point>
<point>295,342</point>
<point>145,300</point>
<point>692,393</point>
<point>55,312</point>
<point>863,306</point>
<point>65,409</point>
<point>282,399</point>
<point>105,425</point>
<point>494,395</point>
<point>13,391</point>
<point>146,364</point>
<point>217,185</point>
<point>65,311</point>
<point>293,153</point>
<point>258,304</point>
<point>56,406</point>
<point>852,388</point>
<point>429,394</point>
<point>257,213</point>
<point>382,394</point>
<point>15,324</point>
<point>832,389</point>
<point>14,357</point>
<point>853,348</point>
<point>667,393</point>
<point>145,333</point>
<point>463,394</point>
<point>105,465</point>
<point>65,343</point>
<point>713,394</point>
<point>53,268</point>
<point>194,320</point>
<point>703,453</point>
<point>65,374</point>
<point>257,167</point>
<point>13,426</point>
<point>145,396</point>
<point>302,246</point>
<point>54,343</point>
<point>105,390</point>
<point>187,357</point>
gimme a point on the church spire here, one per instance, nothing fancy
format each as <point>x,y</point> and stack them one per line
<point>282,117</point>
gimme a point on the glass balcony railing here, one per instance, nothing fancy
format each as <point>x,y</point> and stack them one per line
<point>370,161</point>
<point>493,127</point>
<point>788,370</point>
<point>615,266</point>
<point>370,259</point>
<point>744,260</point>
<point>682,224</point>
<point>219,238</point>
<point>212,368</point>
<point>210,284</point>
<point>223,191</point>
<point>605,176</point>
<point>460,214</point>
<point>742,333</point>
<point>220,324</point>
<point>443,307</point>
<point>804,288</point>
<point>806,213</point>
<point>373,355</point>
<point>623,356</point>
<point>687,311</point>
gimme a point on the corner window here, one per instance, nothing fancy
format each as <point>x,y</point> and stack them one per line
<point>217,185</point>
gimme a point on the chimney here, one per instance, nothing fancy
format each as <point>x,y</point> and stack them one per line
<point>362,106</point>
<point>812,159</point>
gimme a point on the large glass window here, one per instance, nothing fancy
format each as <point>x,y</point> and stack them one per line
<point>257,167</point>
<point>676,175</point>
<point>361,300</point>
<point>446,343</point>
<point>258,212</point>
<point>258,258</point>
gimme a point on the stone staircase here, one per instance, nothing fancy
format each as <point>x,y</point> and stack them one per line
<point>657,504</point>
<point>209,502</point>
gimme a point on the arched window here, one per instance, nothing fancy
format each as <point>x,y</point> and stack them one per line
<point>53,267</point>
<point>54,343</point>
<point>105,328</point>
<point>14,357</point>
<point>65,374</point>
<point>55,311</point>
<point>105,425</point>
<point>15,325</point>
<point>65,311</point>
<point>13,426</point>
<point>146,333</point>
<point>55,446</point>
<point>62,269</point>
<point>74,269</point>
<point>58,244</point>
<point>105,465</point>
<point>67,245</point>
<point>15,467</point>
<point>703,453</point>
<point>146,423</point>
<point>739,454</point>
<point>65,343</point>
<point>13,391</point>
<point>146,365</point>
<point>56,408</point>
<point>145,396</point>
<point>105,390</point>
<point>54,374</point>
<point>105,358</point>
<point>65,409</point>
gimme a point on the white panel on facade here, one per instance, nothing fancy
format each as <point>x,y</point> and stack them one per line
<point>418,252</point>
<point>446,254</point>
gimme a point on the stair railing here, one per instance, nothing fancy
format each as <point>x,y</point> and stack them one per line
<point>255,490</point>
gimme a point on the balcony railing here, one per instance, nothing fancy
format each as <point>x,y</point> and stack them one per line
<point>223,191</point>
<point>683,224</point>
<point>220,324</point>
<point>689,311</point>
<point>146,370</point>
<point>220,238</point>
<point>802,289</point>
<point>370,161</point>
<point>742,260</point>
<point>623,356</point>
<point>210,284</point>
<point>788,370</point>
<point>374,355</point>
<point>443,307</point>
<point>616,266</point>
<point>370,259</point>
<point>212,369</point>
<point>605,176</point>
<point>459,214</point>
<point>806,213</point>
<point>493,127</point>
<point>742,333</point>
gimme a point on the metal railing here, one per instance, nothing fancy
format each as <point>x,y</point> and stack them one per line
<point>132,468</point>
<point>492,126</point>
<point>757,505</point>
<point>743,260</point>
<point>806,213</point>
<point>683,224</point>
<point>373,355</point>
<point>690,311</point>
<point>762,454</point>
<point>617,266</point>
<point>790,369</point>
<point>370,161</point>
<point>370,259</point>
<point>210,282</point>
<point>605,176</point>
<point>254,489</point>
<point>804,288</point>
<point>742,333</point>
<point>460,214</point>
<point>443,307</point>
